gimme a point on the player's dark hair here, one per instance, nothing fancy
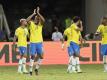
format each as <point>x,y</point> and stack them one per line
<point>76,19</point>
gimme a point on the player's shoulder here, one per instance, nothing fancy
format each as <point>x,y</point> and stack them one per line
<point>25,29</point>
<point>73,25</point>
<point>68,29</point>
<point>17,29</point>
<point>101,26</point>
<point>31,22</point>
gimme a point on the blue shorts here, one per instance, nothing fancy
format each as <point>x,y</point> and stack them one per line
<point>104,49</point>
<point>22,50</point>
<point>36,48</point>
<point>73,49</point>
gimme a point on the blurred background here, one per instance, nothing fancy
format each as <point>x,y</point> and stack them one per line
<point>58,13</point>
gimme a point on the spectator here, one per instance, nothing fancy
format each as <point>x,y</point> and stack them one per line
<point>56,36</point>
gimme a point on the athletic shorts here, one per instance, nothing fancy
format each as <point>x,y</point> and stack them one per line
<point>73,49</point>
<point>22,50</point>
<point>36,48</point>
<point>104,49</point>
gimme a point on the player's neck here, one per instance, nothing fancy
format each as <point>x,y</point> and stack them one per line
<point>22,26</point>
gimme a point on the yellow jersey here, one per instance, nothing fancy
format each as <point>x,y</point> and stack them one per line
<point>75,34</point>
<point>21,34</point>
<point>68,33</point>
<point>103,30</point>
<point>35,32</point>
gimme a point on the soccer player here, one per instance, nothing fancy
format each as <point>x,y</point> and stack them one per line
<point>102,30</point>
<point>21,34</point>
<point>36,40</point>
<point>73,34</point>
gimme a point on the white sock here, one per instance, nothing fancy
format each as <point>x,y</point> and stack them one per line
<point>24,64</point>
<point>20,65</point>
<point>104,61</point>
<point>73,63</point>
<point>31,65</point>
<point>70,64</point>
<point>37,66</point>
<point>38,63</point>
<point>78,64</point>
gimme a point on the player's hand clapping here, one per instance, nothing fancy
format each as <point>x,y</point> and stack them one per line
<point>38,9</point>
<point>34,11</point>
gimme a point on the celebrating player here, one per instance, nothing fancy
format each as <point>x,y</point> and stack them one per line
<point>21,34</point>
<point>73,34</point>
<point>36,40</point>
<point>102,30</point>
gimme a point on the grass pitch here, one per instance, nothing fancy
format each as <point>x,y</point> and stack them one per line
<point>55,72</point>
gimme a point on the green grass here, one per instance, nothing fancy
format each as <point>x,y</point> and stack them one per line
<point>55,72</point>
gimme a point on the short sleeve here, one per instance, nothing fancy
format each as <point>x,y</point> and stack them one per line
<point>16,32</point>
<point>99,28</point>
<point>74,27</point>
<point>30,24</point>
<point>66,32</point>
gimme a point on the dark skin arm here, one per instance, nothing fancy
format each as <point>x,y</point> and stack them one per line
<point>30,17</point>
<point>41,17</point>
<point>80,28</point>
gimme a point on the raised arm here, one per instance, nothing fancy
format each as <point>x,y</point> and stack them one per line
<point>41,17</point>
<point>30,17</point>
<point>80,28</point>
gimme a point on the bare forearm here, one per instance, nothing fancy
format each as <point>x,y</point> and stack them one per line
<point>14,40</point>
<point>42,18</point>
<point>30,17</point>
<point>81,27</point>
